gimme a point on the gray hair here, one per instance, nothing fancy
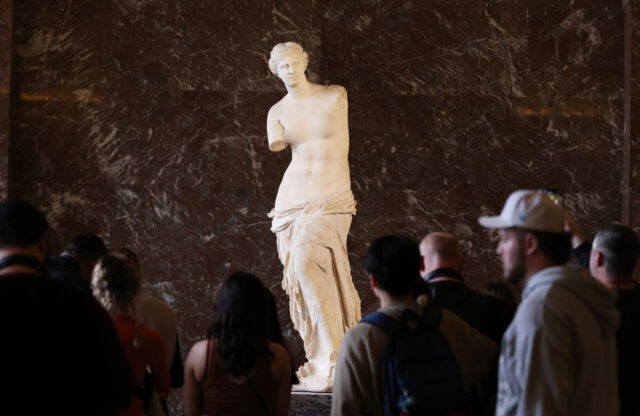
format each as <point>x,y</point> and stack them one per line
<point>281,49</point>
<point>621,249</point>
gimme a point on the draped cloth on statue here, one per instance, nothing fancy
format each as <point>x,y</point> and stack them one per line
<point>324,304</point>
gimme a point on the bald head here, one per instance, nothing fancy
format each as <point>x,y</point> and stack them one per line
<point>440,250</point>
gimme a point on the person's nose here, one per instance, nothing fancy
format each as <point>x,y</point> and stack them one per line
<point>291,70</point>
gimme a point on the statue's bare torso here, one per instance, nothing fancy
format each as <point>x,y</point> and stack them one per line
<point>316,128</point>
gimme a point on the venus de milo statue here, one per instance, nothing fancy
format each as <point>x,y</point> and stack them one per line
<point>313,211</point>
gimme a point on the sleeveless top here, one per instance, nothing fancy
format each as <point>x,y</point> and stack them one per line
<point>220,396</point>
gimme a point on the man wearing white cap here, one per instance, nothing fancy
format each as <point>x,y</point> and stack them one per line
<point>558,356</point>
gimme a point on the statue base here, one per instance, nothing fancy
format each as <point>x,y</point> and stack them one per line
<point>310,404</point>
<point>313,384</point>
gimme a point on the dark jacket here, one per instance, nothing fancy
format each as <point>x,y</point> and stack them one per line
<point>60,352</point>
<point>66,269</point>
<point>487,314</point>
<point>628,340</point>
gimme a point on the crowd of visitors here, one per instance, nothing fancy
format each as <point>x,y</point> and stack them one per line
<point>82,338</point>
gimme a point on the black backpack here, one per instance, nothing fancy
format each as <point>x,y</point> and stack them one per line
<point>420,373</point>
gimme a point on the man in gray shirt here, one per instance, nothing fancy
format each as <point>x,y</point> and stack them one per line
<point>558,356</point>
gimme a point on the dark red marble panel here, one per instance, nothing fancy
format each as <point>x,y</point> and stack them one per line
<point>145,122</point>
<point>497,48</point>
<point>6,25</point>
<point>634,122</point>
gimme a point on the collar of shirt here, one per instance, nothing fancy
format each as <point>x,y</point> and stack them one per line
<point>444,272</point>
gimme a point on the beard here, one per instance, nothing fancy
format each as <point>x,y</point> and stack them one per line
<point>515,275</point>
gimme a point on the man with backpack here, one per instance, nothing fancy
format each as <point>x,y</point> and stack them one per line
<point>404,359</point>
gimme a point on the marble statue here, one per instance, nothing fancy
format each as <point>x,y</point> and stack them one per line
<point>313,212</point>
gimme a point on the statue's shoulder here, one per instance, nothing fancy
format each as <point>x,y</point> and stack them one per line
<point>277,107</point>
<point>337,90</point>
<point>337,93</point>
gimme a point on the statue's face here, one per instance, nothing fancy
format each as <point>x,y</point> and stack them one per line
<point>291,69</point>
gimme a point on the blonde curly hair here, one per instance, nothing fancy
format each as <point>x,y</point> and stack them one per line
<point>116,281</point>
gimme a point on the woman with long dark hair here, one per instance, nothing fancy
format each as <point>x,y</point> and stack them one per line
<point>237,370</point>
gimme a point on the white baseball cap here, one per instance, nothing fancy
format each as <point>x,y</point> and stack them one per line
<point>533,210</point>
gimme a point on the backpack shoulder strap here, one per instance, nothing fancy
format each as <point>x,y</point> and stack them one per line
<point>431,319</point>
<point>383,321</point>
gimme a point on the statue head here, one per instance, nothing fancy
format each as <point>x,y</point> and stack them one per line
<point>289,61</point>
<point>283,49</point>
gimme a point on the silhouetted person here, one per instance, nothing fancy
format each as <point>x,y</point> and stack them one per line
<point>613,258</point>
<point>75,264</point>
<point>60,352</point>
<point>441,268</point>
<point>237,370</point>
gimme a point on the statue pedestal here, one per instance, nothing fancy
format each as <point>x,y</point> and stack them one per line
<point>308,403</point>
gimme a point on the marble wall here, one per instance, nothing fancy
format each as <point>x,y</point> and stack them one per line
<point>144,121</point>
<point>6,42</point>
<point>632,119</point>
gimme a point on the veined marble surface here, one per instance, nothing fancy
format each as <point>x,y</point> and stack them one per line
<point>6,28</point>
<point>634,116</point>
<point>143,121</point>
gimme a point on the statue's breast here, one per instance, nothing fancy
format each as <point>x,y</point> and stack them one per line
<point>312,121</point>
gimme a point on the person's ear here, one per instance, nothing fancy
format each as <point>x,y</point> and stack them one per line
<point>530,244</point>
<point>372,281</point>
<point>599,258</point>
